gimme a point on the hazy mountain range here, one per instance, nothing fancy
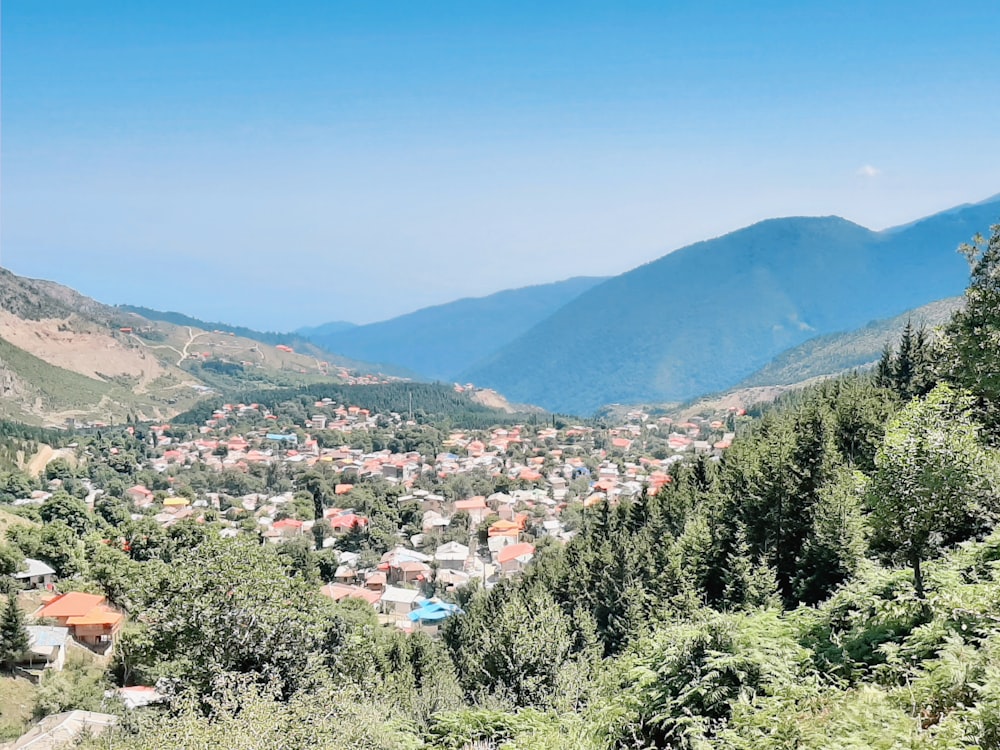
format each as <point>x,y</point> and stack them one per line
<point>778,302</point>
<point>700,319</point>
<point>442,341</point>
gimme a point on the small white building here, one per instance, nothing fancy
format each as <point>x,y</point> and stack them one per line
<point>37,575</point>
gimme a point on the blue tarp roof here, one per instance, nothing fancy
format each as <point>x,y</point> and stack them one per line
<point>434,612</point>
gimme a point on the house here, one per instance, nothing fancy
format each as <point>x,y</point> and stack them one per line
<point>398,602</point>
<point>339,591</point>
<point>141,496</point>
<point>345,522</point>
<point>514,557</point>
<point>505,528</point>
<point>89,619</point>
<point>452,578</point>
<point>476,507</point>
<point>37,575</point>
<point>432,614</point>
<point>345,574</point>
<point>137,696</point>
<point>433,520</point>
<point>46,647</point>
<point>288,527</point>
<point>451,556</point>
<point>410,571</point>
<point>62,730</point>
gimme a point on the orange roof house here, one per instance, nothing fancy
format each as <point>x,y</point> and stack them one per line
<point>504,528</point>
<point>73,604</point>
<point>513,551</point>
<point>339,591</point>
<point>473,503</point>
<point>90,620</point>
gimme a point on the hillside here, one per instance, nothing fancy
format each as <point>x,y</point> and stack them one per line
<point>837,352</point>
<point>709,315</point>
<point>298,342</point>
<point>67,357</point>
<point>442,341</point>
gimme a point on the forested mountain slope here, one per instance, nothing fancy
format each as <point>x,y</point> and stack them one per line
<point>838,352</point>
<point>706,316</point>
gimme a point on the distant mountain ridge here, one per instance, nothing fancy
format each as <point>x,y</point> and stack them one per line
<point>442,341</point>
<point>706,316</point>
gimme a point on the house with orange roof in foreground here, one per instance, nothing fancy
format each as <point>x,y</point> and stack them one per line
<point>514,557</point>
<point>90,619</point>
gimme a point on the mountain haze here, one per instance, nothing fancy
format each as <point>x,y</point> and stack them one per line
<point>706,316</point>
<point>440,342</point>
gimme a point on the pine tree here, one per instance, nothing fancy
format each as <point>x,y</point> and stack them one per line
<point>904,365</point>
<point>885,368</point>
<point>972,357</point>
<point>13,632</point>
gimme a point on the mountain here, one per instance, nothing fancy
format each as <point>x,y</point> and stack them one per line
<point>835,353</point>
<point>440,342</point>
<point>326,329</point>
<point>64,356</point>
<point>706,316</point>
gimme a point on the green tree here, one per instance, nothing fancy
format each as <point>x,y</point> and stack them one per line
<point>13,632</point>
<point>11,559</point>
<point>933,481</point>
<point>836,545</point>
<point>972,353</point>
<point>235,611</point>
<point>72,511</point>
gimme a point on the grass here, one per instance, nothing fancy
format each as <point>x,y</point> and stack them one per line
<point>17,702</point>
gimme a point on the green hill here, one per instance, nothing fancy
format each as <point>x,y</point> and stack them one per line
<point>707,316</point>
<point>65,357</point>
<point>297,341</point>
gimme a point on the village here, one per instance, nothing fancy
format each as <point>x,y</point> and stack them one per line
<point>473,512</point>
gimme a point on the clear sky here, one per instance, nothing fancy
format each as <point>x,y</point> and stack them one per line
<point>281,164</point>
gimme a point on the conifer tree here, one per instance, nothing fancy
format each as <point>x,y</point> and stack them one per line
<point>884,368</point>
<point>973,335</point>
<point>13,632</point>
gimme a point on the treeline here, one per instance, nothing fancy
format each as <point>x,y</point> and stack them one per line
<point>426,401</point>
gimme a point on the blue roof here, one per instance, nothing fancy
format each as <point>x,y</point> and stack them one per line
<point>285,438</point>
<point>434,612</point>
<point>45,635</point>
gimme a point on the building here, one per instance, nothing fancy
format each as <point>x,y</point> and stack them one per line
<point>46,648</point>
<point>89,619</point>
<point>37,575</point>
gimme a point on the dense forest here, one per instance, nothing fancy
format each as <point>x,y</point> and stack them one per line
<point>832,582</point>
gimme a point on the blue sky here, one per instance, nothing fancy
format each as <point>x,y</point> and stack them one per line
<point>284,164</point>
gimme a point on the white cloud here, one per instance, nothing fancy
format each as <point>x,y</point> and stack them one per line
<point>868,171</point>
